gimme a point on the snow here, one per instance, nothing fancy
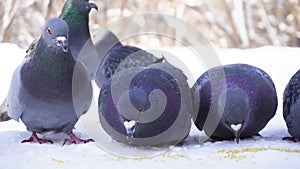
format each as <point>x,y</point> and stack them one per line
<point>268,151</point>
<point>8,64</point>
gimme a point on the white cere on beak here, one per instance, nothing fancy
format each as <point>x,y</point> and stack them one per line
<point>129,124</point>
<point>236,127</point>
<point>130,129</point>
<point>61,38</point>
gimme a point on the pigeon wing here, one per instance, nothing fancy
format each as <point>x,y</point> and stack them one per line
<point>16,97</point>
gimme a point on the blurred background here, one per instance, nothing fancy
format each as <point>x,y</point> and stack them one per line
<point>226,23</point>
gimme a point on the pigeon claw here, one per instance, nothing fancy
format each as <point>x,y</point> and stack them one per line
<point>237,140</point>
<point>75,140</point>
<point>291,139</point>
<point>35,139</point>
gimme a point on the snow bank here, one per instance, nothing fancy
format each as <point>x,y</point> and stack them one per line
<point>11,57</point>
<point>266,152</point>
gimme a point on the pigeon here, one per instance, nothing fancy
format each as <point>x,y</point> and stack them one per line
<point>119,57</point>
<point>43,93</point>
<point>76,14</point>
<point>291,106</point>
<point>233,101</point>
<point>147,106</point>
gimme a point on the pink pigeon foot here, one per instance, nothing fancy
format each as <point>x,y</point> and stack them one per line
<point>291,139</point>
<point>35,139</point>
<point>75,140</point>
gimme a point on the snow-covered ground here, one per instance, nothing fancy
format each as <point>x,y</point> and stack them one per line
<point>266,152</point>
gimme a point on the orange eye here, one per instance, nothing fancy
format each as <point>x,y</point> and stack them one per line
<point>49,31</point>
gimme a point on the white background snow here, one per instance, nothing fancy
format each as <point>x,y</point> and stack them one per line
<point>266,152</point>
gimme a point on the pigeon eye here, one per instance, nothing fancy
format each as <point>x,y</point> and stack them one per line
<point>141,109</point>
<point>49,31</point>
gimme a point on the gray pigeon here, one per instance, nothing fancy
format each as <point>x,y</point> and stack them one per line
<point>234,101</point>
<point>149,106</point>
<point>291,107</point>
<point>43,92</point>
<point>76,14</point>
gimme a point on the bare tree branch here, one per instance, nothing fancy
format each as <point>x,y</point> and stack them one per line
<point>264,17</point>
<point>228,23</point>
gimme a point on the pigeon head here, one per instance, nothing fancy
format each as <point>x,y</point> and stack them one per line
<point>84,6</point>
<point>77,7</point>
<point>56,34</point>
<point>234,105</point>
<point>139,99</point>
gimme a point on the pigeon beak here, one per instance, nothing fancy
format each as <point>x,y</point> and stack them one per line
<point>62,42</point>
<point>92,4</point>
<point>236,137</point>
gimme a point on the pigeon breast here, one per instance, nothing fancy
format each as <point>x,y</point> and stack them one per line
<point>146,106</point>
<point>253,81</point>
